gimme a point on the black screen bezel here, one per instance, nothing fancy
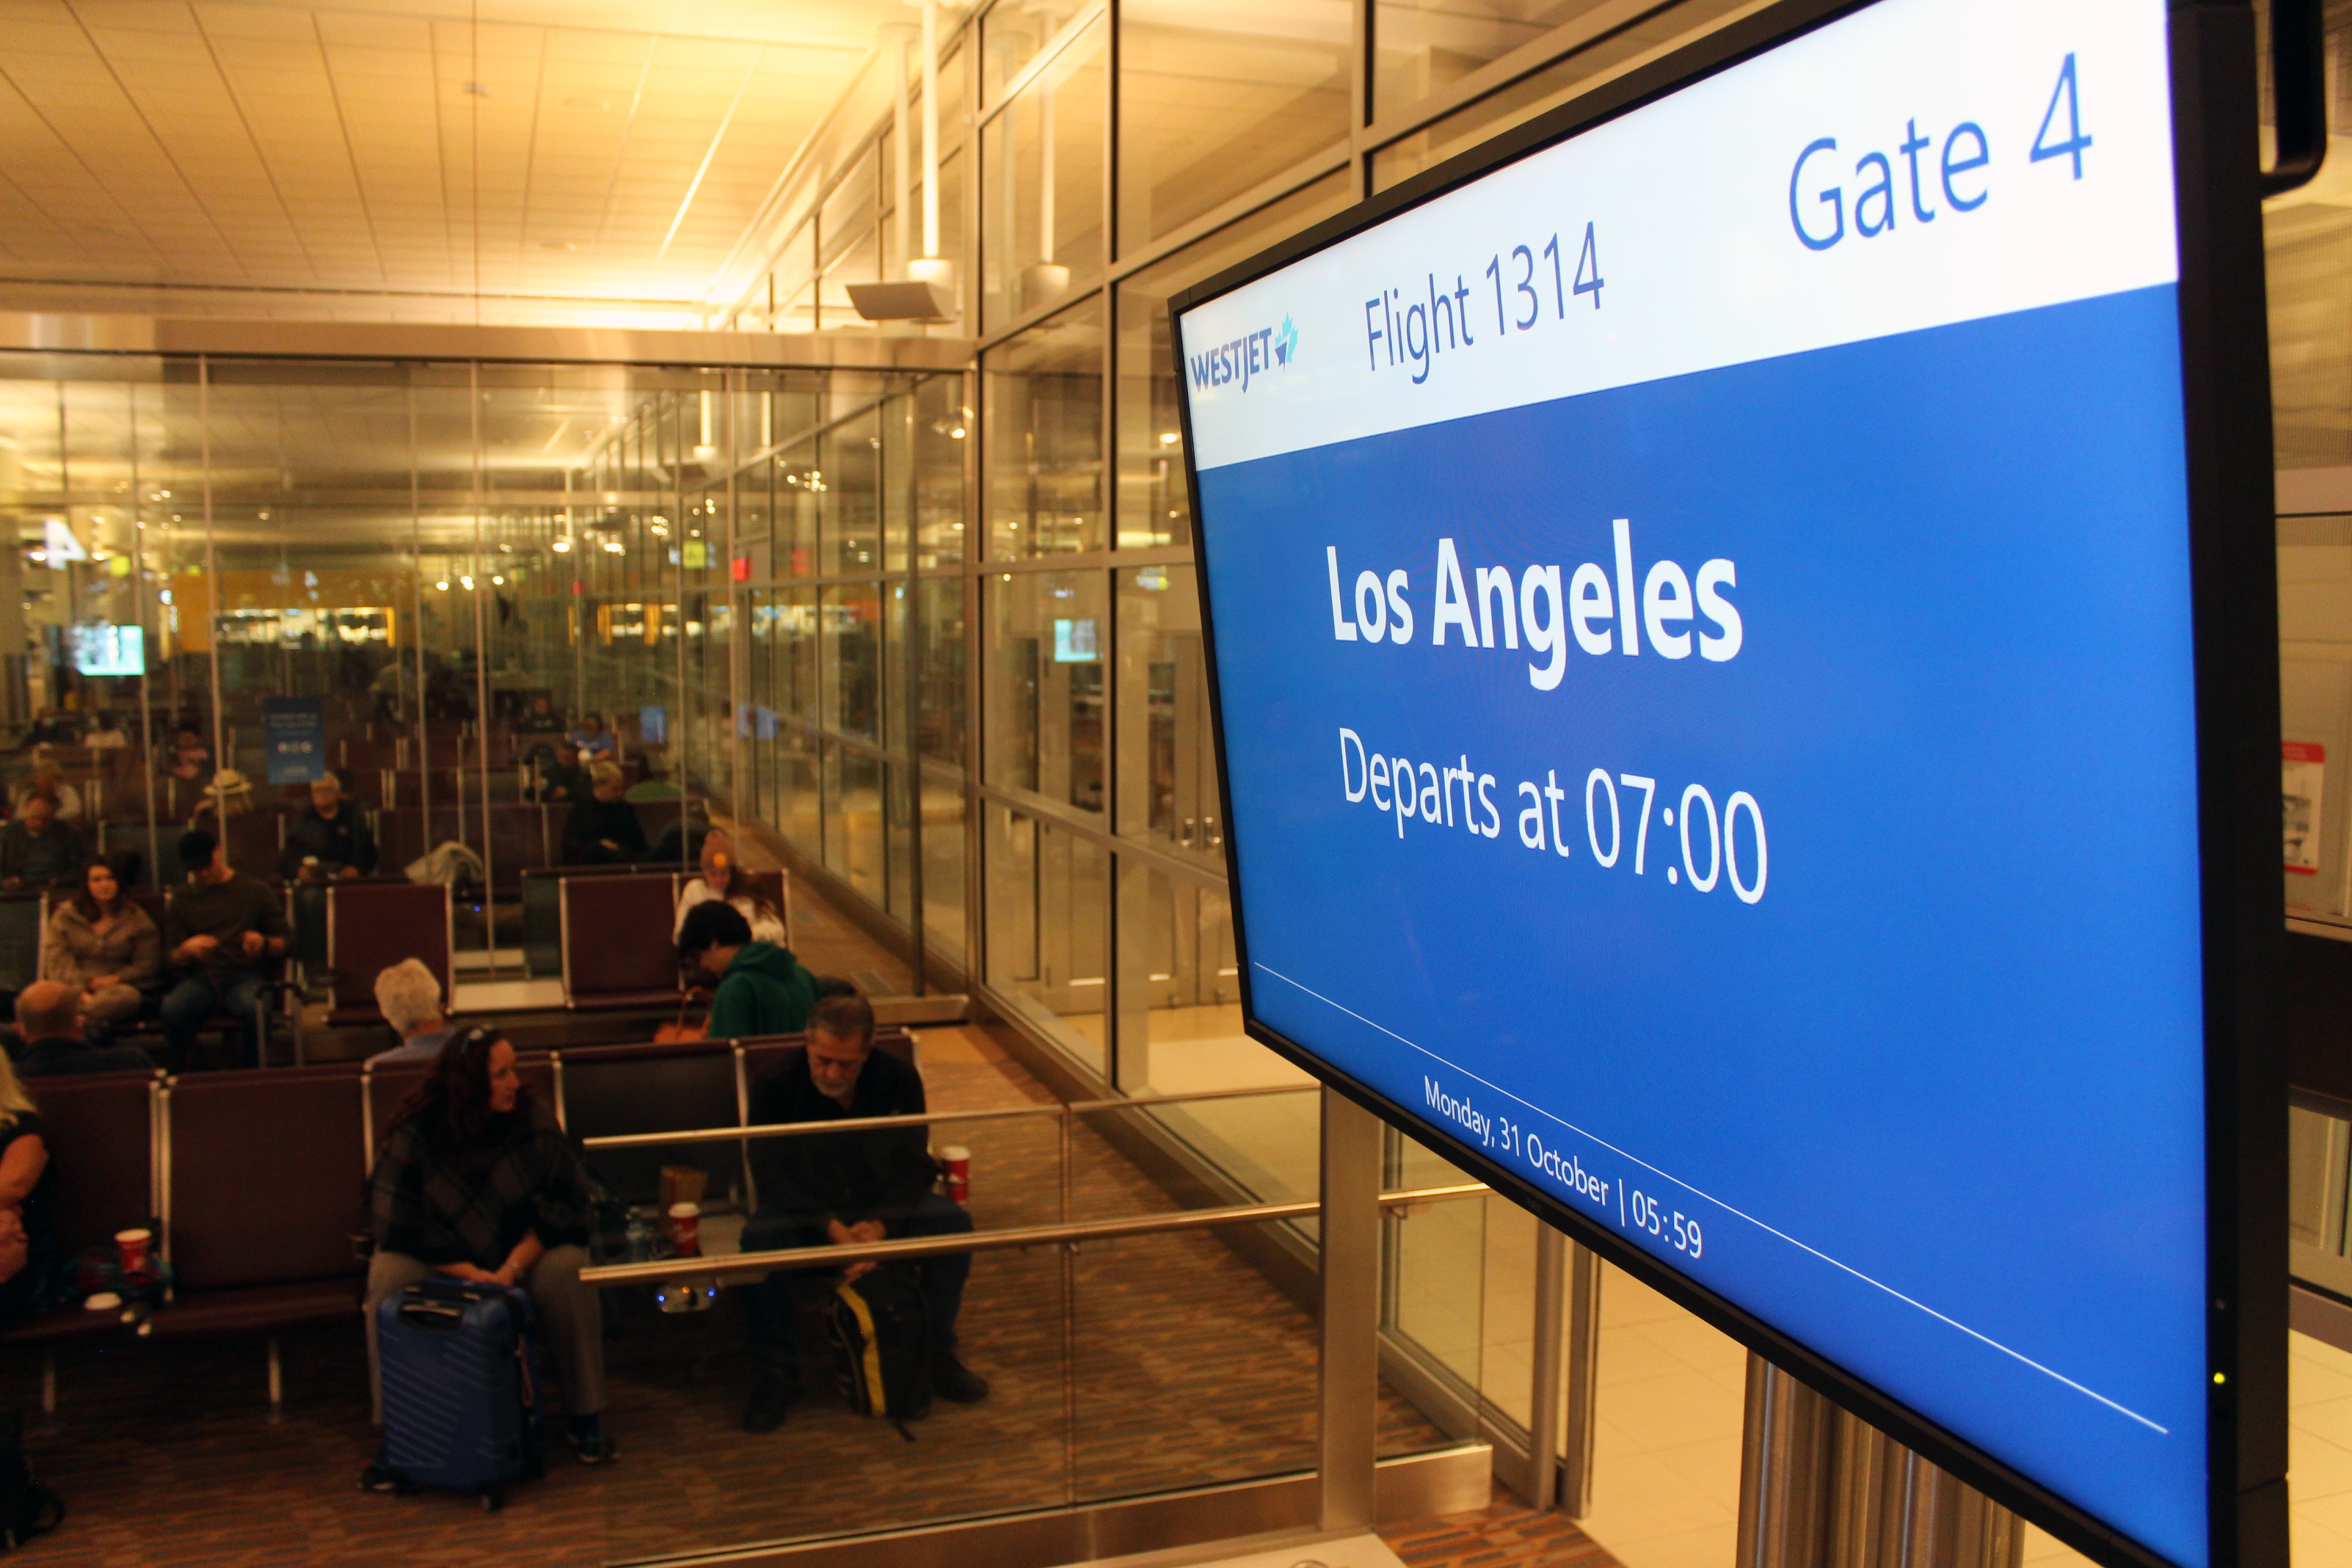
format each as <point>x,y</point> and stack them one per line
<point>2227,425</point>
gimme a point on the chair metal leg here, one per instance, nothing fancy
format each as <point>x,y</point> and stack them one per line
<point>277,1385</point>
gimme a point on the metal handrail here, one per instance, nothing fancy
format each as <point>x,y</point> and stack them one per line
<point>1185,1097</point>
<point>807,1129</point>
<point>725,1265</point>
<point>921,1119</point>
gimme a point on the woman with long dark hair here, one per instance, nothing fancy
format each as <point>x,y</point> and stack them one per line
<point>105,948</point>
<point>474,1181</point>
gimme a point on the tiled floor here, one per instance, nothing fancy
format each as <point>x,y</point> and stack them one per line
<point>1667,1482</point>
<point>2319,1452</point>
<point>1666,1449</point>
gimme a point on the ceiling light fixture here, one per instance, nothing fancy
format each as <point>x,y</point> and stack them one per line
<point>563,547</point>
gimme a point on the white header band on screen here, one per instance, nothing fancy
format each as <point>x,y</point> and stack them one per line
<point>1918,163</point>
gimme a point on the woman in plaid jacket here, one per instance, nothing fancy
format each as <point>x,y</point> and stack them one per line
<point>475,1181</point>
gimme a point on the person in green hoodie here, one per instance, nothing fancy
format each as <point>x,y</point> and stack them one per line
<point>762,988</point>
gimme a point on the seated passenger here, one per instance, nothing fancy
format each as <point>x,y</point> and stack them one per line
<point>229,793</point>
<point>38,850</point>
<point>105,734</point>
<point>552,776</point>
<point>104,948</point>
<point>187,759</point>
<point>410,999</point>
<point>604,829</point>
<point>762,988</point>
<point>718,883</point>
<point>540,718</point>
<point>329,840</point>
<point>591,742</point>
<point>50,1017</point>
<point>475,1181</point>
<point>28,1235</point>
<point>222,934</point>
<point>45,775</point>
<point>850,1187</point>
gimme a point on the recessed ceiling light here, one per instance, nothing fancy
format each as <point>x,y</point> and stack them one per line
<point>557,245</point>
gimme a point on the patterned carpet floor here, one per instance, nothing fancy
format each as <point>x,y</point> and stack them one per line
<point>1506,1533</point>
<point>1189,1369</point>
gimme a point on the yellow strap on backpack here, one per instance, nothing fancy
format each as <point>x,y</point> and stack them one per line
<point>877,1397</point>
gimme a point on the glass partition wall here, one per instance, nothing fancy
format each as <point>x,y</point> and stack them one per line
<point>427,579</point>
<point>932,634</point>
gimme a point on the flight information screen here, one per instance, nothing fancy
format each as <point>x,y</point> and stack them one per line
<point>1702,633</point>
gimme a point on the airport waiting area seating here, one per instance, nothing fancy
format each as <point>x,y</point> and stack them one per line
<point>369,926</point>
<point>605,932</point>
<point>345,934</point>
<point>610,942</point>
<point>255,1182</point>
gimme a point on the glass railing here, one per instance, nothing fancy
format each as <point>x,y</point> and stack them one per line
<point>1147,1325</point>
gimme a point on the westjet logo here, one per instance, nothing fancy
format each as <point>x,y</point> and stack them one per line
<point>1243,358</point>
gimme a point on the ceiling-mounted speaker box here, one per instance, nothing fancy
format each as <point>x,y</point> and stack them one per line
<point>905,299</point>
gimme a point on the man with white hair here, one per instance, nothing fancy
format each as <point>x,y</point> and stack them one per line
<point>411,1001</point>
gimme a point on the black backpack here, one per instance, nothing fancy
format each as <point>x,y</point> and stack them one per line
<point>27,1508</point>
<point>881,1338</point>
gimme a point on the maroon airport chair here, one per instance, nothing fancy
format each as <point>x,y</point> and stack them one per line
<point>261,1190</point>
<point>100,1130</point>
<point>370,926</point>
<point>617,948</point>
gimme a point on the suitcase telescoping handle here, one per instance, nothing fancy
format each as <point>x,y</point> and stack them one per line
<point>441,1302</point>
<point>431,1314</point>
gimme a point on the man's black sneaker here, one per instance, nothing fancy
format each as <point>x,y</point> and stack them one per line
<point>772,1396</point>
<point>379,1479</point>
<point>950,1379</point>
<point>589,1442</point>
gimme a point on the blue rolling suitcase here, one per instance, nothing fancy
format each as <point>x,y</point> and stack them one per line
<point>462,1382</point>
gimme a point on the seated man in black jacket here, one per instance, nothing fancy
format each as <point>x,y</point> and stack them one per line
<point>329,840</point>
<point>40,849</point>
<point>604,829</point>
<point>843,1189</point>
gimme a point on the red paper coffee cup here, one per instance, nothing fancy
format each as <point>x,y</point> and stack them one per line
<point>686,1229</point>
<point>133,1245</point>
<point>957,1160</point>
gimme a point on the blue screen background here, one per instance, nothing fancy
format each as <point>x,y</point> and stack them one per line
<point>1936,1099</point>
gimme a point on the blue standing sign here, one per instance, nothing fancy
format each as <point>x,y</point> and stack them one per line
<point>295,730</point>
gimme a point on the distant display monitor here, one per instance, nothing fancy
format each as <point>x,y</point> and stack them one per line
<point>1073,641</point>
<point>101,648</point>
<point>1700,610</point>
